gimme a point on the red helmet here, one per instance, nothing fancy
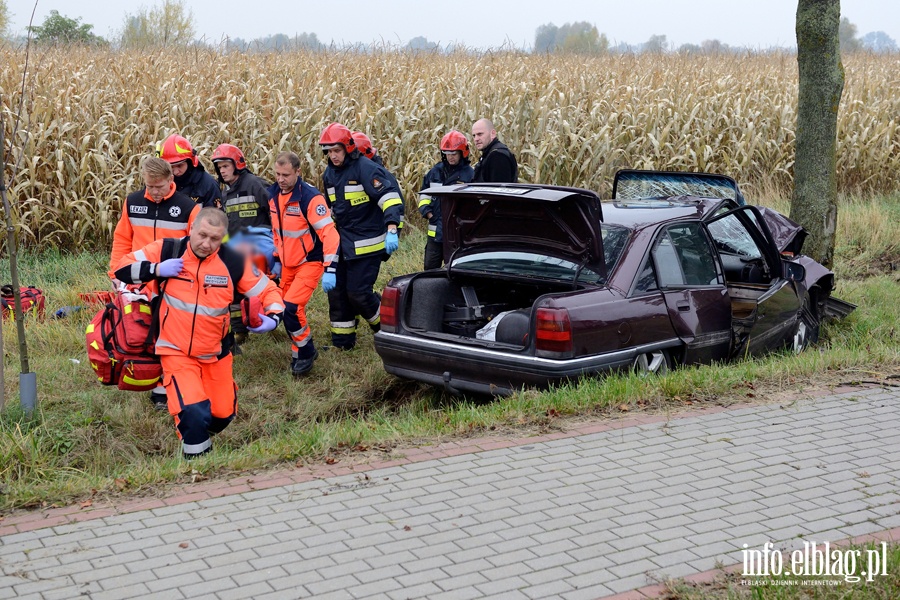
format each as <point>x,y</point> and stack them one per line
<point>455,141</point>
<point>364,144</point>
<point>232,153</point>
<point>175,149</point>
<point>337,134</point>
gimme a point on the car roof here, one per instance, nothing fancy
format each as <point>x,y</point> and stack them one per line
<point>638,214</point>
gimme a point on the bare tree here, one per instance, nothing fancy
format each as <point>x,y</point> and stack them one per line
<point>814,202</point>
<point>27,379</point>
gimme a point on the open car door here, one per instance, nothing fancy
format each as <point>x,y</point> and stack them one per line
<point>765,302</point>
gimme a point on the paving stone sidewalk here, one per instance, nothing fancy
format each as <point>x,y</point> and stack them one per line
<point>581,517</point>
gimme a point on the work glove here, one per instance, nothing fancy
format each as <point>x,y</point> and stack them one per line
<point>276,269</point>
<point>169,268</point>
<point>329,280</point>
<point>391,242</point>
<point>268,324</point>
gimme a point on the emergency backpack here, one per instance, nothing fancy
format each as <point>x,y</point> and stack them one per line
<point>120,344</point>
<point>32,300</point>
<point>121,338</point>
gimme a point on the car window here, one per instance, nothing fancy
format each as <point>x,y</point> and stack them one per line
<point>646,281</point>
<point>633,185</point>
<point>694,254</point>
<point>683,257</point>
<point>528,264</point>
<point>732,237</point>
<point>614,238</point>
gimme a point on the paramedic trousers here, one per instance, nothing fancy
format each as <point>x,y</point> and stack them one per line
<point>202,397</point>
<point>298,285</point>
<point>353,295</point>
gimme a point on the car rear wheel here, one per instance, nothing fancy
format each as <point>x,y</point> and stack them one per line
<point>807,331</point>
<point>652,363</point>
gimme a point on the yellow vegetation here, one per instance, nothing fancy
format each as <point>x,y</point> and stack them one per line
<point>90,115</point>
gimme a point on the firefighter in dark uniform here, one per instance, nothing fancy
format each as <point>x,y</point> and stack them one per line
<point>191,178</point>
<point>246,202</point>
<point>368,212</point>
<point>365,147</point>
<point>454,168</point>
<point>246,197</point>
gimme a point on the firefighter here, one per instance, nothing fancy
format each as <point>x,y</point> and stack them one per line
<point>368,212</point>
<point>155,212</point>
<point>306,243</point>
<point>454,168</point>
<point>197,279</point>
<point>365,147</point>
<point>190,176</point>
<point>246,197</point>
<point>246,202</point>
<point>497,162</point>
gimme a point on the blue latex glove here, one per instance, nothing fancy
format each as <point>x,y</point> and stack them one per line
<point>329,280</point>
<point>276,269</point>
<point>268,324</point>
<point>170,268</point>
<point>391,242</point>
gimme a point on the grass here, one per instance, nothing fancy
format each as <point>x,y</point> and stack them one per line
<point>86,439</point>
<point>734,586</point>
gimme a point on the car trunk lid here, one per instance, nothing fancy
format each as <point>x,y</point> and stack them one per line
<point>560,221</point>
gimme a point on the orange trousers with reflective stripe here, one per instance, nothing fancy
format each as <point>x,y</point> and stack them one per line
<point>202,396</point>
<point>298,285</point>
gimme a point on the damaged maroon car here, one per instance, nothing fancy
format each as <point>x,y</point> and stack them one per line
<point>545,284</point>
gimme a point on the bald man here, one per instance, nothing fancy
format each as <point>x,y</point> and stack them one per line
<point>497,163</point>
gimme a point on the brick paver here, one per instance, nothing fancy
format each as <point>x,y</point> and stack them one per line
<point>577,516</point>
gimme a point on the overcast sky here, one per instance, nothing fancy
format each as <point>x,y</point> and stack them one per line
<point>483,24</point>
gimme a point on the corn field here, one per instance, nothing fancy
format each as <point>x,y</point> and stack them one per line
<point>90,116</point>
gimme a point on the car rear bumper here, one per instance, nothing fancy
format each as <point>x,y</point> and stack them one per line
<point>462,368</point>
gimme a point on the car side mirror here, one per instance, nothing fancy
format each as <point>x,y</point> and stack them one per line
<point>794,271</point>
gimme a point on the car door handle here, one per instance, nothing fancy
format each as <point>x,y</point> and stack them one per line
<point>683,305</point>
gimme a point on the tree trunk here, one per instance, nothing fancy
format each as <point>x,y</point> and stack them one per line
<point>814,203</point>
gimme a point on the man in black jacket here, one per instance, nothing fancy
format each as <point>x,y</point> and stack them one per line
<point>498,164</point>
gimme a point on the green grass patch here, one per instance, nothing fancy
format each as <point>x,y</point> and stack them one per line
<point>86,439</point>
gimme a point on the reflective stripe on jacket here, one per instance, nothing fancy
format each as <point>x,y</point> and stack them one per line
<point>144,221</point>
<point>194,309</point>
<point>247,203</point>
<point>303,227</point>
<point>441,174</point>
<point>364,201</point>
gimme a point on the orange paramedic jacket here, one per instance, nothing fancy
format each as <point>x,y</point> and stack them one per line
<point>194,311</point>
<point>303,228</point>
<point>144,221</point>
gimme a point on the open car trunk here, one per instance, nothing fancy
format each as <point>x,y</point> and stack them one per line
<point>475,309</point>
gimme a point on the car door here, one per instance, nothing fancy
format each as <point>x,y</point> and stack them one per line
<point>755,278</point>
<point>682,266</point>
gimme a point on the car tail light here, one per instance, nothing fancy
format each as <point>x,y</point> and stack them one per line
<point>553,332</point>
<point>390,304</point>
